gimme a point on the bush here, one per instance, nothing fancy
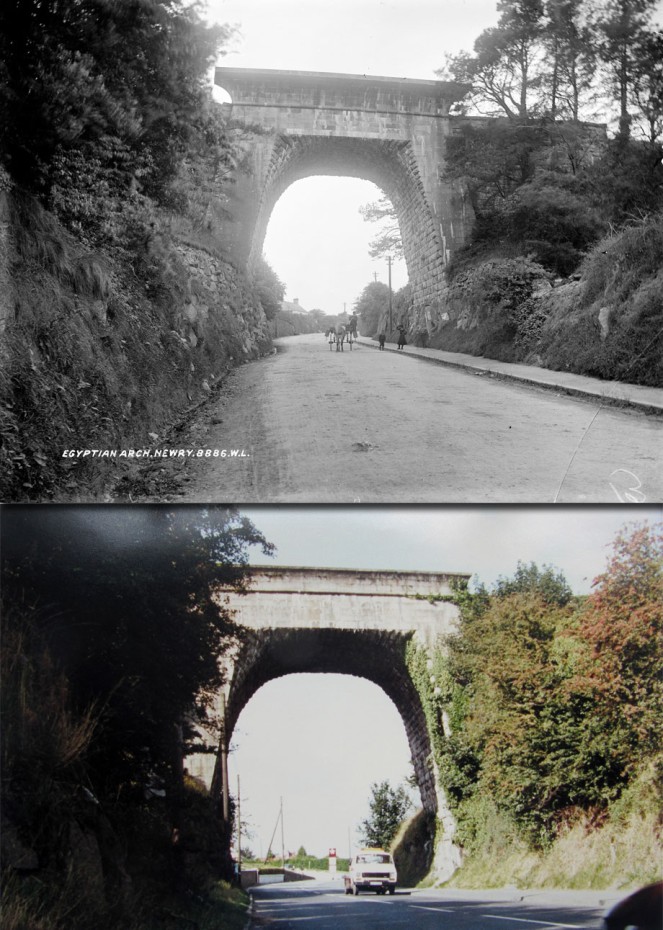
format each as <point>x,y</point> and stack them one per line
<point>494,309</point>
<point>622,277</point>
<point>555,225</point>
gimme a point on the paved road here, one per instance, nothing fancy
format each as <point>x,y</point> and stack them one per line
<point>324,906</point>
<point>378,427</point>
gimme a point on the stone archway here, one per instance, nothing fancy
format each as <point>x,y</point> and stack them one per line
<point>359,623</point>
<point>389,131</point>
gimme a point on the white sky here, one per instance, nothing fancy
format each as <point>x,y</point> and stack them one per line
<point>298,738</point>
<point>317,242</point>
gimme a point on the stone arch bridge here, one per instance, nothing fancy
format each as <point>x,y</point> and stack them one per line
<point>389,131</point>
<point>346,622</point>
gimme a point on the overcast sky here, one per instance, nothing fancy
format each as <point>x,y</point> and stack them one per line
<point>316,241</point>
<point>298,738</point>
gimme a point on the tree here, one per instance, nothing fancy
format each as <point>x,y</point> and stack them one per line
<point>270,288</point>
<point>549,584</point>
<point>503,69</point>
<point>622,626</point>
<point>103,91</point>
<point>621,26</point>
<point>388,809</point>
<point>572,57</point>
<point>554,701</point>
<point>388,242</point>
<point>372,303</point>
<point>648,82</point>
<point>135,620</point>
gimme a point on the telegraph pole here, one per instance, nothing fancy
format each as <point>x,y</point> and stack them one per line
<point>224,768</point>
<point>282,843</point>
<point>389,265</point>
<point>239,834</point>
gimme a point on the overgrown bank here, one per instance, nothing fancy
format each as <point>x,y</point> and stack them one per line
<point>119,306</point>
<point>111,647</point>
<point>106,349</point>
<point>605,322</point>
<point>542,712</point>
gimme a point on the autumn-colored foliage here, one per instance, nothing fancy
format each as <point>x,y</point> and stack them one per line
<point>622,628</point>
<point>554,701</point>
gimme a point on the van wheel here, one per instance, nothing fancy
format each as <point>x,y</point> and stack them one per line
<point>392,890</point>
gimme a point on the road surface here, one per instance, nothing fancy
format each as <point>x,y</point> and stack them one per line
<point>324,906</point>
<point>307,425</point>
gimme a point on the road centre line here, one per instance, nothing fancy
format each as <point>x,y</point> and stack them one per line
<point>436,910</point>
<point>524,920</point>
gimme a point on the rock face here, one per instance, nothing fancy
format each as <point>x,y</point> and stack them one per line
<point>215,293</point>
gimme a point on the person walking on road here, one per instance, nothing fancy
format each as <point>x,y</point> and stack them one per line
<point>402,341</point>
<point>381,339</point>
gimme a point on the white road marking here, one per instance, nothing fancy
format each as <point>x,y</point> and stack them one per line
<point>524,920</point>
<point>421,907</point>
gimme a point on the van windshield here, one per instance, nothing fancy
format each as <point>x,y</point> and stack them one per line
<point>372,858</point>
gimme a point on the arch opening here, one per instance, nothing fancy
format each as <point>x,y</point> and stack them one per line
<point>221,95</point>
<point>318,243</point>
<point>379,656</point>
<point>318,741</point>
<point>389,164</point>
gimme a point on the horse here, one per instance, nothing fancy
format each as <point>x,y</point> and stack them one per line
<point>339,336</point>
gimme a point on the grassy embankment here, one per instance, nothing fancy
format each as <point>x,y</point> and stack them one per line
<point>626,851</point>
<point>607,324</point>
<point>108,349</point>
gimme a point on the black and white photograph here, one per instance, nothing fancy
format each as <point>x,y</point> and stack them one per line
<point>352,252</point>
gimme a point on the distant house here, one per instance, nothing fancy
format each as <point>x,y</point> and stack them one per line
<point>292,306</point>
<point>292,319</point>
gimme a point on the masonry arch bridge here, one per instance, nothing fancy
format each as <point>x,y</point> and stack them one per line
<point>349,622</point>
<point>386,130</point>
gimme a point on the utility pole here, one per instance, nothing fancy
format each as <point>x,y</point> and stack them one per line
<point>389,264</point>
<point>224,768</point>
<point>282,843</point>
<point>239,834</point>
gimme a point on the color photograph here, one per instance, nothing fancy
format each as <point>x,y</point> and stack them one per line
<point>422,717</point>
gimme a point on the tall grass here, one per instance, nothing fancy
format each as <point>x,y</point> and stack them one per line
<point>621,279</point>
<point>44,745</point>
<point>624,849</point>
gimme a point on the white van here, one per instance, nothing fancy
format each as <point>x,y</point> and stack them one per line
<point>371,870</point>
